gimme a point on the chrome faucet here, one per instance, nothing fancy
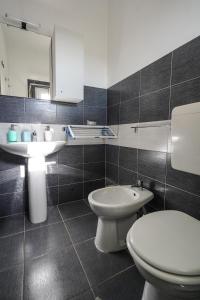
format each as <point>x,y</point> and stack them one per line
<point>139,184</point>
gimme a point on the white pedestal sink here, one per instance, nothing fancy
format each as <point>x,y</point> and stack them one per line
<point>35,152</point>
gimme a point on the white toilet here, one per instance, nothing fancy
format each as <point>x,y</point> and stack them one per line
<point>165,246</point>
<point>116,208</point>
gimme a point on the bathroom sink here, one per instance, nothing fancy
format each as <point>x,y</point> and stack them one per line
<point>36,171</point>
<point>33,149</point>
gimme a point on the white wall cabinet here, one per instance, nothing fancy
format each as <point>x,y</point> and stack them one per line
<point>67,66</point>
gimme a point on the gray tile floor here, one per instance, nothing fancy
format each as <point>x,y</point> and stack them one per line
<point>58,260</point>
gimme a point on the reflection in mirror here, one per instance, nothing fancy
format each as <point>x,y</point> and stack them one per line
<point>24,63</point>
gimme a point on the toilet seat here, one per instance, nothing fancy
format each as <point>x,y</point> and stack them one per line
<point>165,276</point>
<point>167,242</point>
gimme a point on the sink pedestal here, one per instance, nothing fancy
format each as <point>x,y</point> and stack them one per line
<point>37,189</point>
<point>35,152</point>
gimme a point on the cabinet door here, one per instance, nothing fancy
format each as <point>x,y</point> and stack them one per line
<point>68,65</point>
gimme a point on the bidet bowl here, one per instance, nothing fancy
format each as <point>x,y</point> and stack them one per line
<point>118,201</point>
<point>116,208</point>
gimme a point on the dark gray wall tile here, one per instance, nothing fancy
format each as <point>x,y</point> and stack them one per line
<point>52,179</point>
<point>112,172</point>
<point>39,111</point>
<point>11,162</point>
<point>97,114</point>
<point>186,181</point>
<point>179,200</point>
<point>112,154</point>
<point>114,94</point>
<point>157,75</point>
<point>155,106</point>
<point>11,225</point>
<point>128,158</point>
<point>69,114</point>
<point>70,174</point>
<point>130,87</point>
<point>186,61</point>
<point>94,171</point>
<point>129,111</point>
<point>127,176</point>
<point>113,114</point>
<point>52,157</point>
<point>12,109</point>
<point>185,93</point>
<point>52,196</point>
<point>12,204</point>
<point>94,153</point>
<point>10,185</point>
<point>95,96</point>
<point>90,186</point>
<point>152,164</point>
<point>70,192</point>
<point>74,209</point>
<point>157,188</point>
<point>71,155</point>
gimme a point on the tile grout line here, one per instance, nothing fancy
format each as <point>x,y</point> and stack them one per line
<point>23,280</point>
<point>77,254</point>
<point>116,274</point>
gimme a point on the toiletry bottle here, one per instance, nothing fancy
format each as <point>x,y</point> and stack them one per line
<point>48,134</point>
<point>12,134</point>
<point>26,136</point>
<point>34,136</point>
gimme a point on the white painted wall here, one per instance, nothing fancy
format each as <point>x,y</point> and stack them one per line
<point>87,17</point>
<point>28,58</point>
<point>142,31</point>
<point>3,58</point>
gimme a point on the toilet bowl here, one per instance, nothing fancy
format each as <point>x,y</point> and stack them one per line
<point>116,208</point>
<point>165,246</point>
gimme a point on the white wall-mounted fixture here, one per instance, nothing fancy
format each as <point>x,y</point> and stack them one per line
<point>67,66</point>
<point>20,23</point>
<point>185,138</point>
<point>88,131</point>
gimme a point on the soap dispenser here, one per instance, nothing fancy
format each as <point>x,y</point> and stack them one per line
<point>48,134</point>
<point>12,134</point>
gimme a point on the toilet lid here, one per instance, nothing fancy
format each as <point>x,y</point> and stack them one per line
<point>168,240</point>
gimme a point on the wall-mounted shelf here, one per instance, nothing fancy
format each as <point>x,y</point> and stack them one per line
<point>152,124</point>
<point>89,132</point>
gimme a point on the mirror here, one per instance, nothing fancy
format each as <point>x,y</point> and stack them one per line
<point>24,63</point>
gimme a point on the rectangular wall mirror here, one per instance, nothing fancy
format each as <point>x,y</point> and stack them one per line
<point>24,63</point>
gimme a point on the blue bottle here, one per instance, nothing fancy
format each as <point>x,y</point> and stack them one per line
<point>12,134</point>
<point>26,136</point>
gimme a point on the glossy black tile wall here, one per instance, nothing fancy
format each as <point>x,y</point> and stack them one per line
<point>71,169</point>
<point>176,74</point>
<point>171,81</point>
<point>157,75</point>
<point>172,189</point>
<point>21,110</point>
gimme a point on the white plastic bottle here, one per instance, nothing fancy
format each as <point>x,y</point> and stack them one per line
<point>48,134</point>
